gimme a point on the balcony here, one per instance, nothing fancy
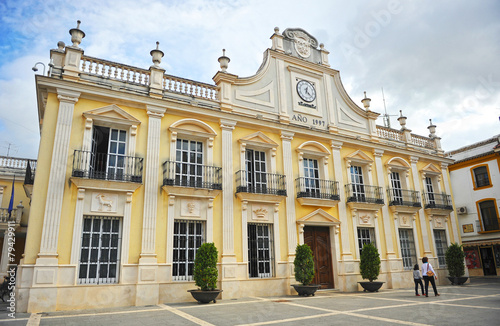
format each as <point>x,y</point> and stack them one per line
<point>364,197</point>
<point>317,192</point>
<point>260,187</point>
<point>404,201</point>
<point>192,175</point>
<point>438,204</point>
<point>90,165</point>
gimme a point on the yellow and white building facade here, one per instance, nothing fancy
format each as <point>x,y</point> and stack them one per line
<point>137,168</point>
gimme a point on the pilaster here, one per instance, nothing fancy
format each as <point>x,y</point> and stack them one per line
<point>57,177</point>
<point>77,227</point>
<point>151,185</point>
<point>228,255</point>
<point>421,213</point>
<point>291,219</point>
<point>447,189</point>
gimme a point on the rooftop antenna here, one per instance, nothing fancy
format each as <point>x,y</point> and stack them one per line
<point>385,116</point>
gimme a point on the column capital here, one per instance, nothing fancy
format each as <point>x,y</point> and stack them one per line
<point>287,135</point>
<point>66,95</point>
<point>414,159</point>
<point>227,125</point>
<point>155,111</point>
<point>378,152</point>
<point>444,165</point>
<point>336,145</point>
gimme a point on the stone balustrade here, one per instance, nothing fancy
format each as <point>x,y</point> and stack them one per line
<point>422,141</point>
<point>388,133</point>
<point>398,135</point>
<point>189,87</point>
<point>16,215</point>
<point>113,70</point>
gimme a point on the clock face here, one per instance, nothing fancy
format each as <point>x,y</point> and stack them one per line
<point>306,91</point>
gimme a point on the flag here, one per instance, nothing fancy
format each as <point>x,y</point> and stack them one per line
<point>11,203</point>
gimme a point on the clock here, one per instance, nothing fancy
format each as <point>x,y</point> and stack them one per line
<point>306,91</point>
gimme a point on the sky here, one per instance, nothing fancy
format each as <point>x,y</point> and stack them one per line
<point>434,60</point>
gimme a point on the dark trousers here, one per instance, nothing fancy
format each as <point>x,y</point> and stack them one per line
<point>428,279</point>
<point>417,282</point>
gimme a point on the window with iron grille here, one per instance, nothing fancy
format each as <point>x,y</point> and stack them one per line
<point>365,235</point>
<point>441,246</point>
<point>260,250</point>
<point>481,177</point>
<point>189,163</point>
<point>188,237</point>
<point>408,252</point>
<point>100,250</point>
<point>311,174</point>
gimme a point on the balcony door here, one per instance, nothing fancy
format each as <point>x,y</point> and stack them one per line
<point>358,187</point>
<point>256,171</point>
<point>107,157</point>
<point>430,191</point>
<point>189,163</point>
<point>397,193</point>
<point>311,175</point>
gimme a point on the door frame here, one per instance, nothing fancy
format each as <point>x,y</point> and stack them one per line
<point>492,258</point>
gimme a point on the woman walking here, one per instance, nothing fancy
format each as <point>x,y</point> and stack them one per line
<point>429,274</point>
<point>417,278</point>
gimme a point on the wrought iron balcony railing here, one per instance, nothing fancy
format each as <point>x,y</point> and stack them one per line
<point>364,194</point>
<point>90,165</point>
<point>317,188</point>
<point>260,183</point>
<point>440,201</point>
<point>192,175</point>
<point>400,197</point>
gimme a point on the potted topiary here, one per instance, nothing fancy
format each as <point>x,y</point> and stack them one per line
<point>205,274</point>
<point>304,271</point>
<point>369,267</point>
<point>454,257</point>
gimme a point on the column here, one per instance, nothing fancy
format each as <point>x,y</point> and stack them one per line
<point>291,220</point>
<point>77,227</point>
<point>151,185</point>
<point>385,209</point>
<point>57,177</point>
<point>344,228</point>
<point>228,255</point>
<point>4,259</point>
<point>421,213</point>
<point>447,190</point>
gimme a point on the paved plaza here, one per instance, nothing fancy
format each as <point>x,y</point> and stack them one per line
<point>474,303</point>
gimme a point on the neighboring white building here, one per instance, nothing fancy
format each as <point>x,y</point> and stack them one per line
<point>475,181</point>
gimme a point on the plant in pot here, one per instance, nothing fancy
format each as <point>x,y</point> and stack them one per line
<point>454,257</point>
<point>304,271</point>
<point>369,267</point>
<point>205,274</point>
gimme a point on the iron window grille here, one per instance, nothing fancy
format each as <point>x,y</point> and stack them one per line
<point>324,189</point>
<point>481,177</point>
<point>369,194</point>
<point>408,252</point>
<point>440,201</point>
<point>188,237</point>
<point>365,235</point>
<point>441,246</point>
<point>401,197</point>
<point>100,250</point>
<point>260,250</point>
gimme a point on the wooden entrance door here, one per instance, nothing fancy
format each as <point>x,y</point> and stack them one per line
<point>318,238</point>
<point>488,260</point>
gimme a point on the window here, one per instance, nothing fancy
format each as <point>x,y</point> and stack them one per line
<point>481,177</point>
<point>358,188</point>
<point>188,237</point>
<point>260,253</point>
<point>441,246</point>
<point>256,171</point>
<point>489,217</point>
<point>100,251</point>
<point>396,191</point>
<point>311,175</point>
<point>430,191</point>
<point>189,163</point>
<point>365,235</point>
<point>107,158</point>
<point>408,252</point>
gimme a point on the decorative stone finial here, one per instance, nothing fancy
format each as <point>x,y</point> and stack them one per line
<point>276,30</point>
<point>224,61</point>
<point>366,102</point>
<point>60,46</point>
<point>432,129</point>
<point>322,47</point>
<point>157,54</point>
<point>402,120</point>
<point>76,35</point>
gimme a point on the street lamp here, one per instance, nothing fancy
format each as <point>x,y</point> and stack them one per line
<point>35,69</point>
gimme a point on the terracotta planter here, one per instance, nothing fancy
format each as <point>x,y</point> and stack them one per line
<point>371,286</point>
<point>458,280</point>
<point>306,290</point>
<point>205,296</point>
